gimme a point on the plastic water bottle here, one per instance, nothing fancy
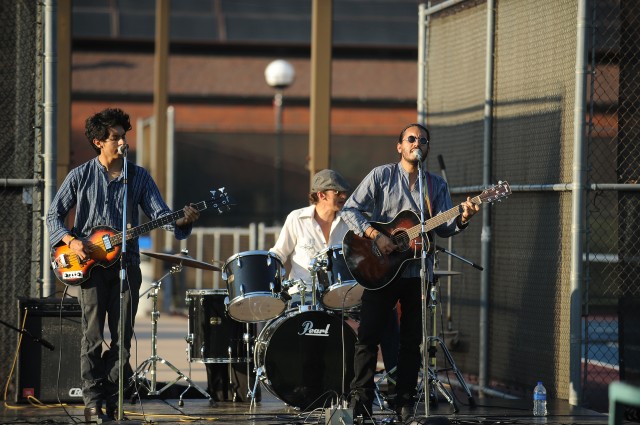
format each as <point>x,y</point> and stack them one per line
<point>539,400</point>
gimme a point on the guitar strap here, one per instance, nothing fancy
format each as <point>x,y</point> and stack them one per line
<point>428,184</point>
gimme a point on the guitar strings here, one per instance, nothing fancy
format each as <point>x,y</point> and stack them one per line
<point>90,247</point>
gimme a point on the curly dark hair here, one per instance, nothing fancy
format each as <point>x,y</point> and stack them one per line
<point>97,126</point>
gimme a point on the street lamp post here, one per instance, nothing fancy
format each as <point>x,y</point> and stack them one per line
<point>279,74</point>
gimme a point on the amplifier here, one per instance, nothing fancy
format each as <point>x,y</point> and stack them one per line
<point>49,375</point>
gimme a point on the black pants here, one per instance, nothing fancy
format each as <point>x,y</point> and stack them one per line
<point>374,317</point>
<point>100,302</point>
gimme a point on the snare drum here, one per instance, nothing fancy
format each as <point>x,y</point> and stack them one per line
<point>213,336</point>
<point>254,283</point>
<point>341,289</point>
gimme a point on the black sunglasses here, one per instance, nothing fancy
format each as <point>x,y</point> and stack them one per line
<point>411,139</point>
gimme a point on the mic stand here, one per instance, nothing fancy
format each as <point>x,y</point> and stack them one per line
<point>459,257</point>
<point>425,300</point>
<point>435,339</point>
<point>123,275</point>
<point>40,341</point>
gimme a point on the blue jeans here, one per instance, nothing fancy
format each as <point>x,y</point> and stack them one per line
<point>100,302</point>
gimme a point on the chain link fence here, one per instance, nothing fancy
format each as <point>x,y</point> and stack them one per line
<point>532,137</point>
<point>612,291</point>
<point>21,36</point>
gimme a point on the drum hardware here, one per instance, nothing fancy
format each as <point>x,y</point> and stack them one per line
<point>388,375</point>
<point>313,271</point>
<point>433,381</point>
<point>150,364</point>
<point>302,290</point>
<point>251,393</point>
<point>446,273</point>
<point>300,287</point>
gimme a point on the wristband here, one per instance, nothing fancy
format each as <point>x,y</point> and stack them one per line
<point>378,236</point>
<point>71,240</point>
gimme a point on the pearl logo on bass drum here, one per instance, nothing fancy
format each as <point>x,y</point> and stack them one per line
<point>308,329</point>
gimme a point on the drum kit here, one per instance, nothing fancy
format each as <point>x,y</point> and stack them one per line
<point>303,355</point>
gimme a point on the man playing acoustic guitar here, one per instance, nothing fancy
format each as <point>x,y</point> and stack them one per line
<point>385,193</point>
<point>96,190</point>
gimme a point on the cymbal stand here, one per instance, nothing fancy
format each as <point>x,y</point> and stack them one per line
<point>388,376</point>
<point>149,366</point>
<point>247,339</point>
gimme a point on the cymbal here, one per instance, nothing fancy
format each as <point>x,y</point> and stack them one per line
<point>446,273</point>
<point>182,259</point>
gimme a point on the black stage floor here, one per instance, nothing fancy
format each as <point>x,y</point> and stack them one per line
<point>270,410</point>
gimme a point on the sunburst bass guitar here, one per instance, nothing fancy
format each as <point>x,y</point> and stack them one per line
<point>373,269</point>
<point>105,243</point>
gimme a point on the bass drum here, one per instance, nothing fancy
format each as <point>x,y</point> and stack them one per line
<point>300,358</point>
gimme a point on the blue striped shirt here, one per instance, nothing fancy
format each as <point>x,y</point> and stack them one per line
<point>98,202</point>
<point>385,192</point>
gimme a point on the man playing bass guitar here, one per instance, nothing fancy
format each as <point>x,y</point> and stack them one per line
<point>96,190</point>
<point>385,192</point>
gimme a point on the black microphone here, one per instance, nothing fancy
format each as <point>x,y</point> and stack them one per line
<point>122,149</point>
<point>45,343</point>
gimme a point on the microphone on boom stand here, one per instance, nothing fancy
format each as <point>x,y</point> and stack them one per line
<point>424,282</point>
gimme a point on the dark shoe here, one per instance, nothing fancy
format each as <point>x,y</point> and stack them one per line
<point>361,407</point>
<point>111,412</point>
<point>405,412</point>
<point>95,415</point>
<point>364,410</point>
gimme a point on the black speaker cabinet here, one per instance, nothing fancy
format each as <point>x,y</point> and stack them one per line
<point>37,371</point>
